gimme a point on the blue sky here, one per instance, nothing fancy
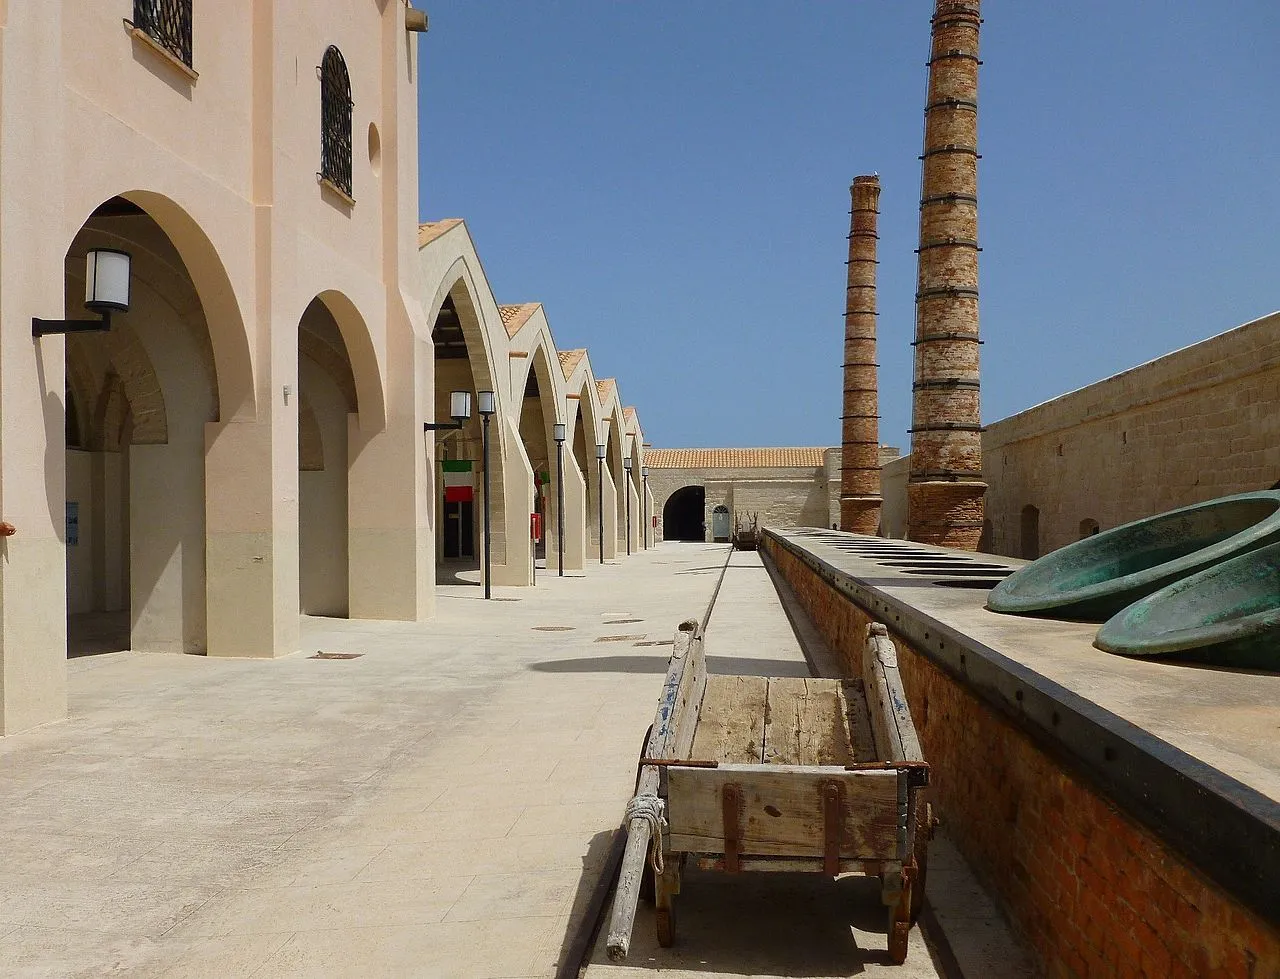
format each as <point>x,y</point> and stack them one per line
<point>671,181</point>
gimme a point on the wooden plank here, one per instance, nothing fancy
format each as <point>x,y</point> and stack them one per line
<point>731,721</point>
<point>782,810</point>
<point>807,722</point>
<point>670,720</point>
<point>891,723</point>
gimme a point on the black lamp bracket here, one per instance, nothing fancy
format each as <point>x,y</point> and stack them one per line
<point>40,328</point>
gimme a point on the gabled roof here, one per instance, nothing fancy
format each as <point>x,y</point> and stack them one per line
<point>768,458</point>
<point>514,317</point>
<point>432,230</point>
<point>629,415</point>
<point>605,388</point>
<point>570,359</point>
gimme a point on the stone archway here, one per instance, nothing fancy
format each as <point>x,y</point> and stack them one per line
<point>136,533</point>
<point>684,515</point>
<point>537,417</point>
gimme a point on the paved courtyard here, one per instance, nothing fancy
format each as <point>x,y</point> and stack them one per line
<point>439,805</point>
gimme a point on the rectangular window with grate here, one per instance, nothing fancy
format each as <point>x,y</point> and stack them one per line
<point>168,23</point>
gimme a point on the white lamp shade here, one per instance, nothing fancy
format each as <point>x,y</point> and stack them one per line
<point>600,450</point>
<point>486,401</point>
<point>559,432</point>
<point>460,404</point>
<point>645,472</point>
<point>626,464</point>
<point>106,280</point>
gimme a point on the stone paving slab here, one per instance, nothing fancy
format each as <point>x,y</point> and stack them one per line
<point>440,806</point>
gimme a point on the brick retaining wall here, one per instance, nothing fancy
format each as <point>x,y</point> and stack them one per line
<point>1095,892</point>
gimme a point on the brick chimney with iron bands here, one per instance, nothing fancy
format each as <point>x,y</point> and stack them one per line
<point>860,423</point>
<point>945,488</point>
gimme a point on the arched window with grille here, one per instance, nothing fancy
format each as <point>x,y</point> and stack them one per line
<point>335,121</point>
<point>168,23</point>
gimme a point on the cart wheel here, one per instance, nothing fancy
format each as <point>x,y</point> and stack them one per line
<point>924,833</point>
<point>666,926</point>
<point>898,933</point>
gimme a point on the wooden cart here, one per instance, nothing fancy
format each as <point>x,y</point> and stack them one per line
<point>745,773</point>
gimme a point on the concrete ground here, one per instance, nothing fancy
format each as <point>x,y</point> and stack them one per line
<point>439,805</point>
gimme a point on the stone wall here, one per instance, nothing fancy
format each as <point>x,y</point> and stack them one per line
<point>1094,892</point>
<point>1198,423</point>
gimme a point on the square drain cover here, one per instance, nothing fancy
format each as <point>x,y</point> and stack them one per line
<point>321,654</point>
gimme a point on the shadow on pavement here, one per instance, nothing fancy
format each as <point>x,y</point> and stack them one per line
<point>720,665</point>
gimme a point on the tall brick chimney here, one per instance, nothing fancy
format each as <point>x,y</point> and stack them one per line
<point>945,487</point>
<point>860,423</point>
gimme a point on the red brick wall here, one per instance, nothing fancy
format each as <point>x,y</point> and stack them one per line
<point>1094,892</point>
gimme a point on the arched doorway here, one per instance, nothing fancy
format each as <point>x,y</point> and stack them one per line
<point>537,416</point>
<point>720,523</point>
<point>139,399</point>
<point>1088,527</point>
<point>327,398</point>
<point>683,515</point>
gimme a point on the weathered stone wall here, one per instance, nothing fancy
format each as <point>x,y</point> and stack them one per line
<point>1198,423</point>
<point>1095,893</point>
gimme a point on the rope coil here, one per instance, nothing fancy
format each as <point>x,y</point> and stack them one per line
<point>652,810</point>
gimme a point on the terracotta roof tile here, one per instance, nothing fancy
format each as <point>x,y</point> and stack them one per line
<point>629,414</point>
<point>768,458</point>
<point>570,359</point>
<point>514,317</point>
<point>605,388</point>
<point>432,230</point>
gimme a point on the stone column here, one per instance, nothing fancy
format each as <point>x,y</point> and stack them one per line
<point>860,423</point>
<point>945,488</point>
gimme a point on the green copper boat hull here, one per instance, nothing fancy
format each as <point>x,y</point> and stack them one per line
<point>1227,615</point>
<point>1093,579</point>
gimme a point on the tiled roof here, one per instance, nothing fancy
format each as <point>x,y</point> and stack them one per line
<point>629,415</point>
<point>770,458</point>
<point>570,359</point>
<point>514,317</point>
<point>604,389</point>
<point>432,230</point>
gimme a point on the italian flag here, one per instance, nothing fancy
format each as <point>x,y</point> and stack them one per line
<point>458,481</point>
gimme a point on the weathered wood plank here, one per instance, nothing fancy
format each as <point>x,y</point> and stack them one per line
<point>807,722</point>
<point>782,810</point>
<point>731,720</point>
<point>669,722</point>
<point>894,731</point>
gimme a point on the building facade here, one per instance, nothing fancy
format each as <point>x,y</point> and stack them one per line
<point>699,494</point>
<point>246,441</point>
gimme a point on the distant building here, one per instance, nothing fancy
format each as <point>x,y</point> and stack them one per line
<point>699,493</point>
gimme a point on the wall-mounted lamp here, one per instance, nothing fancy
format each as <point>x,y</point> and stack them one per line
<point>459,411</point>
<point>415,21</point>
<point>106,290</point>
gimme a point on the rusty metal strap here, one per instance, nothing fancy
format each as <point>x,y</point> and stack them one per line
<point>731,813</point>
<point>832,826</point>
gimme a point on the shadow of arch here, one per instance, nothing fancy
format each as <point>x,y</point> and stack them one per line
<point>362,358</point>
<point>233,361</point>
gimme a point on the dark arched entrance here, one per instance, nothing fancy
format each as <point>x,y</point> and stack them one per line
<point>682,514</point>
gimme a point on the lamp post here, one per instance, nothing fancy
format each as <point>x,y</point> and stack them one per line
<point>486,408</point>
<point>106,290</point>
<point>644,473</point>
<point>559,437</point>
<point>626,465</point>
<point>600,447</point>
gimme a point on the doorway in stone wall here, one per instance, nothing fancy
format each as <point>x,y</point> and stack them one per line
<point>720,524</point>
<point>682,515</point>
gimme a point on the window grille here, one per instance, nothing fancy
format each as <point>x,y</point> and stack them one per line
<point>168,23</point>
<point>335,121</point>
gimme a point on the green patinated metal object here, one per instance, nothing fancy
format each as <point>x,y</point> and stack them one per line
<point>1227,615</point>
<point>1093,579</point>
